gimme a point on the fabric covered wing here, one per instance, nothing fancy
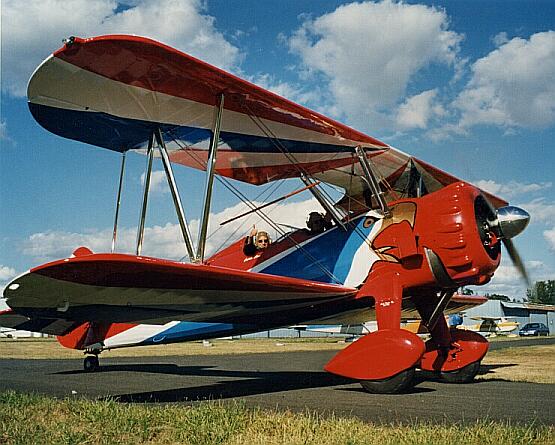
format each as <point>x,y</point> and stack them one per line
<point>52,326</point>
<point>400,176</point>
<point>124,288</point>
<point>113,91</point>
<point>355,316</point>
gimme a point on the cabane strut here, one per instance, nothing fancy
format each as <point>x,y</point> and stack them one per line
<point>372,181</point>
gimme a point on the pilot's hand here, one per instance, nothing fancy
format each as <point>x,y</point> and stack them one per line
<point>253,231</point>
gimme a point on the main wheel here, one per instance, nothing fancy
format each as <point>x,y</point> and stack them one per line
<point>393,385</point>
<point>463,375</point>
<point>90,364</point>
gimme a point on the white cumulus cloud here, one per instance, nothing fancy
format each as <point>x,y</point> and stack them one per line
<point>541,210</point>
<point>33,29</point>
<point>513,85</point>
<point>500,39</point>
<point>507,279</point>
<point>6,273</point>
<point>512,188</point>
<point>3,131</point>
<point>549,236</point>
<point>167,241</point>
<point>417,110</point>
<point>158,182</point>
<point>368,52</point>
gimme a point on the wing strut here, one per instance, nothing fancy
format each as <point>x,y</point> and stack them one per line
<point>141,229</point>
<point>175,193</point>
<point>118,202</point>
<point>210,170</point>
<point>372,181</point>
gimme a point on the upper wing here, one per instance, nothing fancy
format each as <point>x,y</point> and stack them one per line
<point>113,91</point>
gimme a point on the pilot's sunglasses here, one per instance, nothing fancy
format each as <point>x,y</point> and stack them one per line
<point>262,241</point>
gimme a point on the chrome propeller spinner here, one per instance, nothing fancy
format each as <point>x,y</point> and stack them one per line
<point>509,223</point>
<point>502,224</point>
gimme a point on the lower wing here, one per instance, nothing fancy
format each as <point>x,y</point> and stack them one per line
<point>117,288</point>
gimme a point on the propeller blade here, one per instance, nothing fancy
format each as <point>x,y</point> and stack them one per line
<point>517,261</point>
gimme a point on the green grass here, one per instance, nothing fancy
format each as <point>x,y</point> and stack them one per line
<point>34,419</point>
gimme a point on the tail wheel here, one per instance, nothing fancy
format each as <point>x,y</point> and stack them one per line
<point>463,375</point>
<point>393,385</point>
<point>90,364</point>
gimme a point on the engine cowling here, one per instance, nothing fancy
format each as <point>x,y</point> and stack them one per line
<point>454,227</point>
<point>447,239</point>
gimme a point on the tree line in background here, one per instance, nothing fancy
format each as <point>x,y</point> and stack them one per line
<point>542,292</point>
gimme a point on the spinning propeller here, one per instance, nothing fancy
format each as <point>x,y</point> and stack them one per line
<point>502,224</point>
<point>511,221</point>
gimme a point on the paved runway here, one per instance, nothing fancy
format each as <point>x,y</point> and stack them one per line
<point>292,380</point>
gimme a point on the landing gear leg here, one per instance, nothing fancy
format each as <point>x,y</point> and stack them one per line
<point>383,361</point>
<point>90,364</point>
<point>454,355</point>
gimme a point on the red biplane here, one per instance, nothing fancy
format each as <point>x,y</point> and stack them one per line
<point>405,235</point>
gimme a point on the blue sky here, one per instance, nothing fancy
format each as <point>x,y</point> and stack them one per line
<point>465,85</point>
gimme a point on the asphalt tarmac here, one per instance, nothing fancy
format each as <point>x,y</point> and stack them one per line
<point>293,380</point>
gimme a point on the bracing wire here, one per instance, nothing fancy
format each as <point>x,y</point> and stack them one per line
<point>277,143</point>
<point>275,185</point>
<point>246,201</point>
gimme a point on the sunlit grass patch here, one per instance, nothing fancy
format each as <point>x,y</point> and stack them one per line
<point>33,419</point>
<point>312,428</point>
<point>50,349</point>
<point>527,364</point>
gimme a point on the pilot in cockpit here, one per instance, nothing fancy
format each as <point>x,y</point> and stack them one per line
<point>317,222</point>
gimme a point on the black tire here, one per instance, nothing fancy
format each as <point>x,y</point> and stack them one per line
<point>463,375</point>
<point>393,385</point>
<point>90,364</point>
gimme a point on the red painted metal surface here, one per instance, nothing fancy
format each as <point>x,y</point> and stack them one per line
<point>467,347</point>
<point>378,355</point>
<point>128,64</point>
<point>446,224</point>
<point>82,251</point>
<point>443,222</point>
